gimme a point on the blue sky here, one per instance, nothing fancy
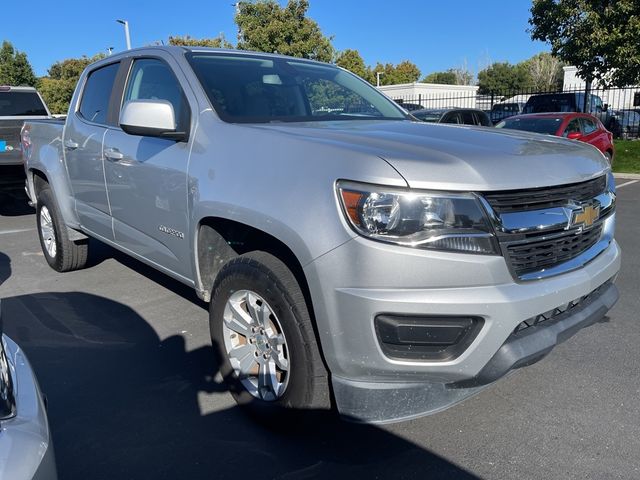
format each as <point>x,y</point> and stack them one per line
<point>434,34</point>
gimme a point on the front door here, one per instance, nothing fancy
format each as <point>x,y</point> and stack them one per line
<point>82,142</point>
<point>147,176</point>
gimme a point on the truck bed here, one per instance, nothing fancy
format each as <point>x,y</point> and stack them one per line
<point>10,147</point>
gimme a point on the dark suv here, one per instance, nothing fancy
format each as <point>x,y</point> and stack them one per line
<point>459,116</point>
<point>568,102</point>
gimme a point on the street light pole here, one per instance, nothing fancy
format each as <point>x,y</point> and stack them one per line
<point>126,32</point>
<point>378,78</point>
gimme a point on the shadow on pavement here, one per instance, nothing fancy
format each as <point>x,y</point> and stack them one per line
<point>125,404</point>
<point>13,199</point>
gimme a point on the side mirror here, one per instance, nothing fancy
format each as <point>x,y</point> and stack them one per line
<point>605,107</point>
<point>574,136</point>
<point>150,118</point>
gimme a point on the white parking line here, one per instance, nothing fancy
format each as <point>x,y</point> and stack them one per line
<point>19,230</point>
<point>627,183</point>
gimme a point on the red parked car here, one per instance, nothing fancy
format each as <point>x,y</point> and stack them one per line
<point>575,126</point>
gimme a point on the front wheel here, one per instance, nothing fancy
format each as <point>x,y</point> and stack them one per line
<point>264,339</point>
<point>62,254</point>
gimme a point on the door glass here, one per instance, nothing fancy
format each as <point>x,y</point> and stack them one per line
<point>97,91</point>
<point>453,117</point>
<point>152,79</point>
<point>468,118</point>
<point>573,127</point>
<point>589,126</point>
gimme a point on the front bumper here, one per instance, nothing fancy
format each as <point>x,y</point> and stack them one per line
<point>26,451</point>
<point>394,280</point>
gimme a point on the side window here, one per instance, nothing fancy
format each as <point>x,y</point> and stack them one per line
<point>94,104</point>
<point>573,127</point>
<point>452,117</point>
<point>588,126</point>
<point>483,120</point>
<point>468,118</point>
<point>152,79</point>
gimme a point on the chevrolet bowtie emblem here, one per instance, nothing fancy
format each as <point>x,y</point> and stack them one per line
<point>585,216</point>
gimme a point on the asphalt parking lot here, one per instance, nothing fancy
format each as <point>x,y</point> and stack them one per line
<point>124,357</point>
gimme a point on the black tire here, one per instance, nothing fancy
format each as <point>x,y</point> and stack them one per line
<point>308,385</point>
<point>69,255</point>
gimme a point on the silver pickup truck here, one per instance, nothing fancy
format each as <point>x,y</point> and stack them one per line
<point>17,104</point>
<point>352,257</point>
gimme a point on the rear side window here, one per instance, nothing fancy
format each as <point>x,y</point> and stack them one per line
<point>21,104</point>
<point>483,119</point>
<point>468,118</point>
<point>453,117</point>
<point>152,79</point>
<point>97,92</point>
<point>588,125</point>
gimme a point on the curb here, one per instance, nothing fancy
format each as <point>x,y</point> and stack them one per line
<point>630,176</point>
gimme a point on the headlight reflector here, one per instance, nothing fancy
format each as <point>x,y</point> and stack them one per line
<point>432,220</point>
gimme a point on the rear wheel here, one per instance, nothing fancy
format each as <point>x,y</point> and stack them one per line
<point>62,254</point>
<point>264,339</point>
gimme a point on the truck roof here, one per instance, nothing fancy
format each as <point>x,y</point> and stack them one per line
<point>177,48</point>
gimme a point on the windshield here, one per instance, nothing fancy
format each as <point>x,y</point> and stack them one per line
<point>548,125</point>
<point>551,103</point>
<point>21,104</point>
<point>260,89</point>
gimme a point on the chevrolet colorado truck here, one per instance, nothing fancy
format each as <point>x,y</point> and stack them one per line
<point>352,257</point>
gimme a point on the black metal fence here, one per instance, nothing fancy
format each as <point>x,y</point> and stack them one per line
<point>617,108</point>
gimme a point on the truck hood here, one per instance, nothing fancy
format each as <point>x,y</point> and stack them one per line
<point>437,156</point>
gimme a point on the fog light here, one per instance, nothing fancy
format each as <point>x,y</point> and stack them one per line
<point>434,338</point>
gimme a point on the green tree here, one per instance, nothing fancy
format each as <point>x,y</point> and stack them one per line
<point>545,72</point>
<point>504,78</point>
<point>265,26</point>
<point>352,61</point>
<point>15,68</point>
<point>57,88</point>
<point>187,41</point>
<point>404,72</point>
<point>445,78</point>
<point>599,37</point>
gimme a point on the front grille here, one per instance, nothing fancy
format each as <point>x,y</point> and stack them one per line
<point>546,197</point>
<point>535,255</point>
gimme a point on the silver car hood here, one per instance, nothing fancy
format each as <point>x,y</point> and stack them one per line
<point>432,156</point>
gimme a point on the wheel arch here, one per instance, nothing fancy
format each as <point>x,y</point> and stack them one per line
<point>218,240</point>
<point>37,179</point>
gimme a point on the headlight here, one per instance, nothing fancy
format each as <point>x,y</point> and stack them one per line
<point>433,220</point>
<point>611,182</point>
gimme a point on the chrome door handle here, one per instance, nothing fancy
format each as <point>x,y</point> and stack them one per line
<point>70,144</point>
<point>113,154</point>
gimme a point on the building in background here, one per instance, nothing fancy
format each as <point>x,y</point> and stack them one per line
<point>618,98</point>
<point>432,95</point>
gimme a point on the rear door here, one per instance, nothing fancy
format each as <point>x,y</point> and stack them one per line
<point>147,176</point>
<point>83,137</point>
